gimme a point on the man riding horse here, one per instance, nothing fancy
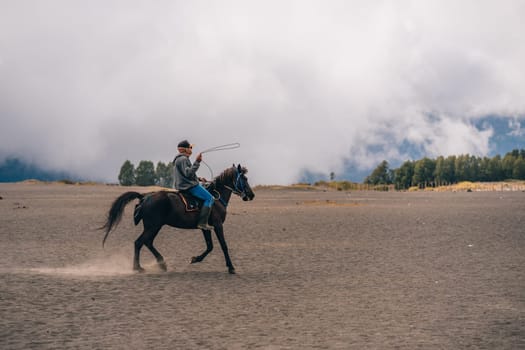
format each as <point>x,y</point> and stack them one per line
<point>185,180</point>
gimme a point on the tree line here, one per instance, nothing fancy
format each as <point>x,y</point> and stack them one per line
<point>146,174</point>
<point>418,173</point>
<point>452,169</point>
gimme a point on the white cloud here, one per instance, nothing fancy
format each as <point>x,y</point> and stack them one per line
<point>299,84</point>
<point>516,129</point>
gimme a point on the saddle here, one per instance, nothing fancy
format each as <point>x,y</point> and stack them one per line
<point>191,203</point>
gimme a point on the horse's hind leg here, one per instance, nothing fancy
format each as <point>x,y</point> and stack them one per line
<point>139,242</point>
<point>146,238</point>
<point>209,247</point>
<point>155,252</point>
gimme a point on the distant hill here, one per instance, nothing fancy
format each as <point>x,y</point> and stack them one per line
<point>14,170</point>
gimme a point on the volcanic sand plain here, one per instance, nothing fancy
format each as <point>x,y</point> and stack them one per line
<point>315,270</point>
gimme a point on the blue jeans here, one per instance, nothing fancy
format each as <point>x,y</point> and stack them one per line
<point>201,193</point>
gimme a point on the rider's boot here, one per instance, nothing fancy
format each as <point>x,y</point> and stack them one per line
<point>203,219</point>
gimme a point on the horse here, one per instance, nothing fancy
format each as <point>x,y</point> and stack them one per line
<point>160,208</point>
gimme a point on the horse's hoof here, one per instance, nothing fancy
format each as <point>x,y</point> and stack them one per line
<point>139,269</point>
<point>231,270</point>
<point>194,260</point>
<point>163,266</point>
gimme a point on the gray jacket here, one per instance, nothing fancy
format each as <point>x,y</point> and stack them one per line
<point>184,173</point>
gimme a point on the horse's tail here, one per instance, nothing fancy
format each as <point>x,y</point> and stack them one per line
<point>116,210</point>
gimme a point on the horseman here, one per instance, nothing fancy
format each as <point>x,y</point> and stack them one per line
<point>185,180</point>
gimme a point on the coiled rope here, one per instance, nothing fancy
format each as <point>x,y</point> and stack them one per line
<point>226,147</point>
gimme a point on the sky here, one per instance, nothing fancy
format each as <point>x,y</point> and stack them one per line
<point>302,85</point>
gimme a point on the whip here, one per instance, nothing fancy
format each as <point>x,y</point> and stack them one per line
<point>225,147</point>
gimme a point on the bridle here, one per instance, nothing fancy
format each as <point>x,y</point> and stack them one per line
<point>239,187</point>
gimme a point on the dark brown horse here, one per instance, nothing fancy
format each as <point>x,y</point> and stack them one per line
<point>161,208</point>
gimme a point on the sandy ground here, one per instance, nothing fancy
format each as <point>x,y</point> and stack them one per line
<point>315,270</point>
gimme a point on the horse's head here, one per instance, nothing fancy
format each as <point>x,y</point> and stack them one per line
<point>240,185</point>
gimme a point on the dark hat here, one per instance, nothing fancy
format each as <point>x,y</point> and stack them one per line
<point>184,144</point>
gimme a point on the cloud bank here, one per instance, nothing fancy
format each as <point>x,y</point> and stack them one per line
<point>302,85</point>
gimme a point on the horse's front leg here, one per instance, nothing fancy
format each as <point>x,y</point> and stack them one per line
<point>209,247</point>
<point>220,236</point>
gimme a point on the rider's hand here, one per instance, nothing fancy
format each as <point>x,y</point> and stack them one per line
<point>199,157</point>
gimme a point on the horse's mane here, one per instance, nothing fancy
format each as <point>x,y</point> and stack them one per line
<point>228,174</point>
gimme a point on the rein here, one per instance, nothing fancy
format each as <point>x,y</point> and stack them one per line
<point>237,189</point>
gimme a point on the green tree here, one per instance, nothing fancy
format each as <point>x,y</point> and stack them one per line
<point>518,172</point>
<point>507,165</point>
<point>424,172</point>
<point>380,176</point>
<point>145,173</point>
<point>439,172</point>
<point>461,168</point>
<point>449,170</point>
<point>484,169</point>
<point>126,176</point>
<point>164,174</point>
<point>474,168</point>
<point>403,175</point>
<point>495,171</point>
